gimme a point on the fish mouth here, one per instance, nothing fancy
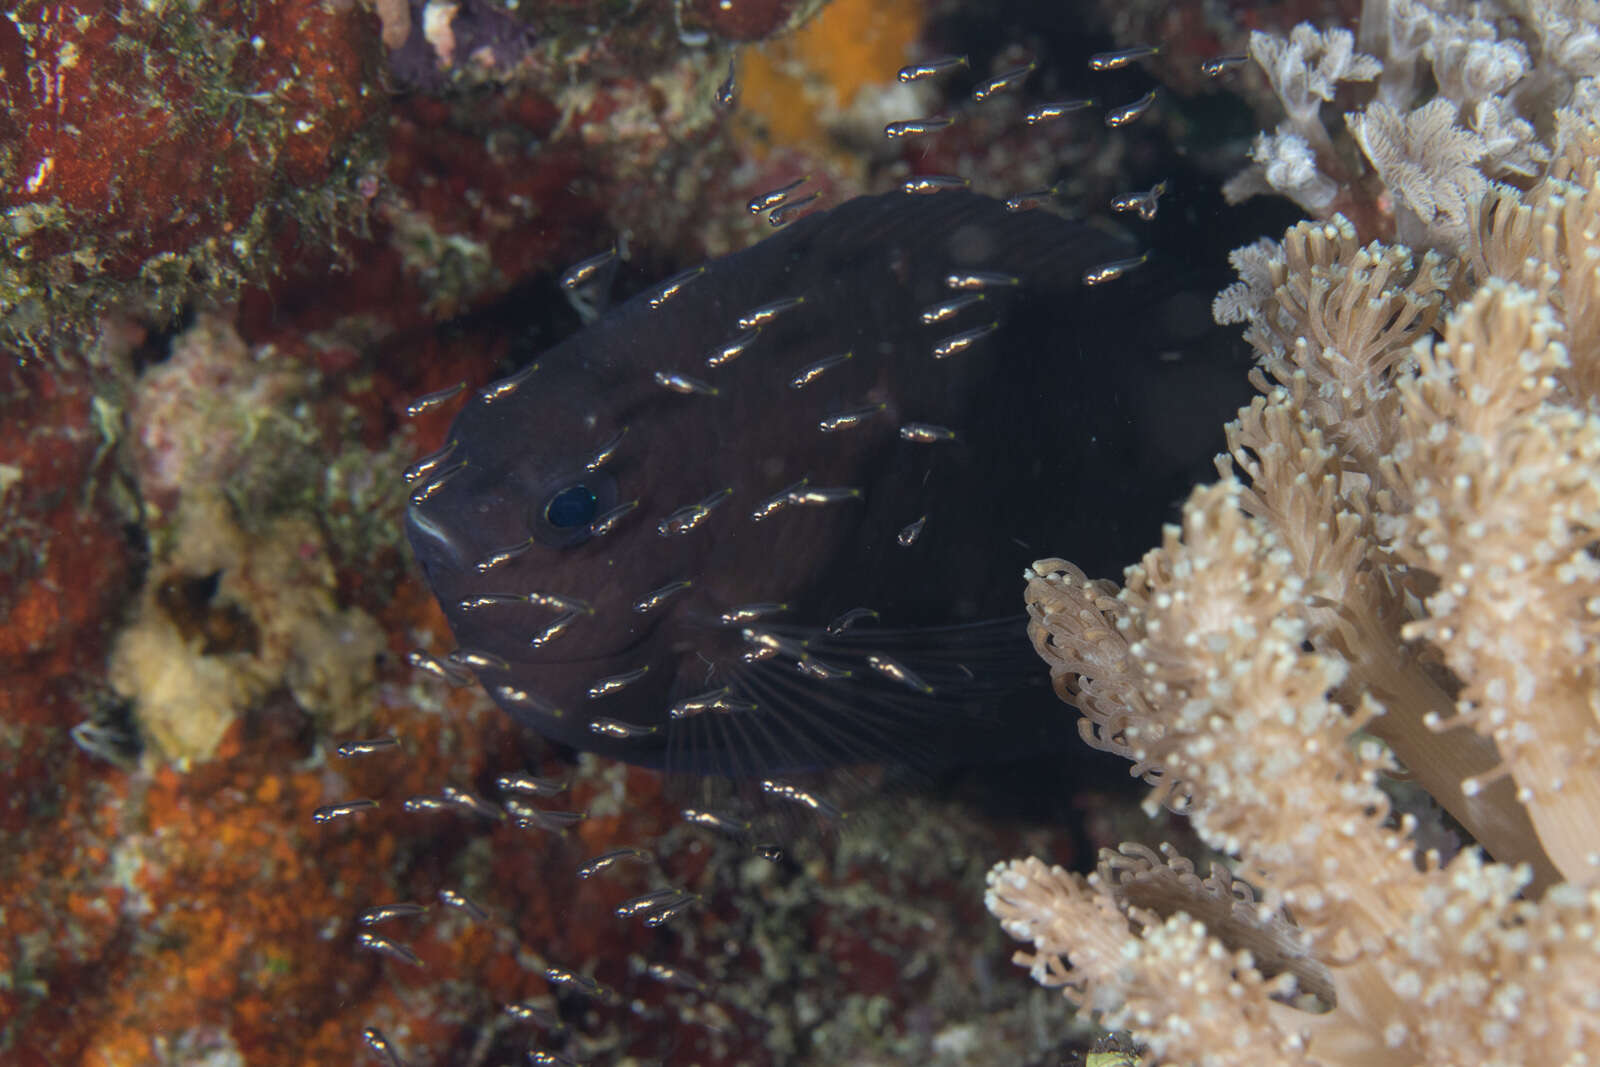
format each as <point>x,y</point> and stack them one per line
<point>432,543</point>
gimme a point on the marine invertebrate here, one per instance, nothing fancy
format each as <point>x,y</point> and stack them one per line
<point>1394,572</point>
<point>1451,97</point>
<point>1426,160</point>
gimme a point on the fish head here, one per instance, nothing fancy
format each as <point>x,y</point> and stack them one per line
<point>527,537</point>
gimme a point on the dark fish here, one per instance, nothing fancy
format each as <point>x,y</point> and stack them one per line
<point>604,623</point>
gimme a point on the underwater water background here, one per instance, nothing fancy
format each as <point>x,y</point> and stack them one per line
<point>206,589</point>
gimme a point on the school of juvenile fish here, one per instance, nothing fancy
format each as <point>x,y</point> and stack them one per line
<point>770,517</point>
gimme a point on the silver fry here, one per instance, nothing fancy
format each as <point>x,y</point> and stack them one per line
<point>615,683</point>
<point>331,812</point>
<point>775,197</point>
<point>1122,57</point>
<point>1003,83</point>
<point>1121,116</point>
<point>438,398</point>
<point>916,127</point>
<point>916,72</point>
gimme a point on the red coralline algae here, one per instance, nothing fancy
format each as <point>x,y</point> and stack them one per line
<point>749,20</point>
<point>155,153</point>
<point>195,911</point>
<point>65,567</point>
<point>490,182</point>
<point>65,559</point>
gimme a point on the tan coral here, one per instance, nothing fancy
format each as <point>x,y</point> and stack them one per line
<point>1398,566</point>
<point>1331,321</point>
<point>1130,981</point>
<point>1506,507</point>
<point>1341,314</point>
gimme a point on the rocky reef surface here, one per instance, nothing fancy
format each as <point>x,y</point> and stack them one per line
<point>240,240</point>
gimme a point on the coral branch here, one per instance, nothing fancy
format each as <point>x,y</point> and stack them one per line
<point>1398,570</point>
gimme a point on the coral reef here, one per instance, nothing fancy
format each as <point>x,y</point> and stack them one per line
<point>748,20</point>
<point>226,619</point>
<point>252,235</point>
<point>1451,99</point>
<point>1395,573</point>
<point>117,194</point>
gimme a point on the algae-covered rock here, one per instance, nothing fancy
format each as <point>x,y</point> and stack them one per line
<point>227,618</point>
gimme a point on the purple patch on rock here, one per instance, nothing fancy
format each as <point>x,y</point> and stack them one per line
<point>484,36</point>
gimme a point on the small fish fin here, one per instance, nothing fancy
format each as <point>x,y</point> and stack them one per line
<point>919,698</point>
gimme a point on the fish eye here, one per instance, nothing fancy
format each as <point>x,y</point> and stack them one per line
<point>575,505</point>
<point>563,512</point>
